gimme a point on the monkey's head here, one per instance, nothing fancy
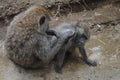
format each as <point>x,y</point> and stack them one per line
<point>43,18</point>
<point>82,35</point>
<point>36,17</point>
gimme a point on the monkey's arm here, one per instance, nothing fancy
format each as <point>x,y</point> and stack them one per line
<point>52,32</point>
<point>46,52</point>
<point>85,58</point>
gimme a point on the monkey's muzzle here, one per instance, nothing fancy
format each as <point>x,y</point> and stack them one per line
<point>80,41</point>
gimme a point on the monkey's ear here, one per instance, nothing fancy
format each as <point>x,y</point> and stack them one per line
<point>42,20</point>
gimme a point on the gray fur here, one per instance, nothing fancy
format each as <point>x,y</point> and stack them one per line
<point>80,32</point>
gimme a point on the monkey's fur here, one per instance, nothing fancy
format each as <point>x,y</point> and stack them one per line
<point>27,42</point>
<point>82,34</point>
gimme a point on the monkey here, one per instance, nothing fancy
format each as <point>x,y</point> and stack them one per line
<point>27,43</point>
<point>82,35</point>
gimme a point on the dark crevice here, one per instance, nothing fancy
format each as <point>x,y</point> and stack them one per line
<point>75,6</point>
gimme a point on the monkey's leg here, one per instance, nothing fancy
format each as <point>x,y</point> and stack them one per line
<point>59,61</point>
<point>85,58</point>
<point>60,57</point>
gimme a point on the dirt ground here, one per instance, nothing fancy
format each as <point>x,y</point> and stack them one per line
<point>103,47</point>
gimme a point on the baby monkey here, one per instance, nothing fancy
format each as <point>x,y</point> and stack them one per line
<point>82,34</point>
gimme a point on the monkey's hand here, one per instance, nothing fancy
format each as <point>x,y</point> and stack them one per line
<point>53,33</point>
<point>91,63</point>
<point>85,57</point>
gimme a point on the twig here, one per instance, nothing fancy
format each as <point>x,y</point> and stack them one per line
<point>58,9</point>
<point>101,41</point>
<point>86,4</point>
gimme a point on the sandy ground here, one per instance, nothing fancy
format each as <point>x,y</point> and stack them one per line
<point>104,47</point>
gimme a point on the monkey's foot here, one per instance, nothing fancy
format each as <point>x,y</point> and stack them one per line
<point>58,69</point>
<point>91,63</point>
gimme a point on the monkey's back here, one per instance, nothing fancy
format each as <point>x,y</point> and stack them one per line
<point>21,36</point>
<point>64,27</point>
